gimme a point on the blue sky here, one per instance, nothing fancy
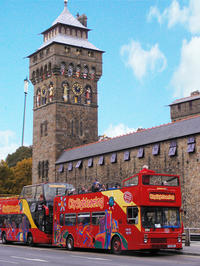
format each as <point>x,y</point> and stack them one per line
<point>151,58</point>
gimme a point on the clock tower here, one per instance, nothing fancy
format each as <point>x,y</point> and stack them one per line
<point>64,72</point>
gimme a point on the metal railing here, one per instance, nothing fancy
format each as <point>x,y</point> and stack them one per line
<point>191,233</point>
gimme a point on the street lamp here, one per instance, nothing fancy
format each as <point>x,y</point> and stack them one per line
<point>25,93</point>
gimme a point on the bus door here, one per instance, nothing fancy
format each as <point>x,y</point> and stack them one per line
<point>99,229</point>
<point>38,211</point>
<point>84,236</point>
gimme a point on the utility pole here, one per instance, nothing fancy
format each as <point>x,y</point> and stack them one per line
<point>25,94</point>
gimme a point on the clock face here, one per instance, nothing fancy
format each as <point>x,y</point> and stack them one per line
<point>77,89</point>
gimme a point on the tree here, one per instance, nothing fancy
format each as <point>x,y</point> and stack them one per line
<point>6,179</point>
<point>20,154</point>
<point>23,174</point>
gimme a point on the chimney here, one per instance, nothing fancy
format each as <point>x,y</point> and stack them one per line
<point>82,19</point>
<point>194,93</point>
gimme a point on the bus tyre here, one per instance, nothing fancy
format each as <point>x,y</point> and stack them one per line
<point>70,243</point>
<point>116,245</point>
<point>29,240</point>
<point>4,240</point>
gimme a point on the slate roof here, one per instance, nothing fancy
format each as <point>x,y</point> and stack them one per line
<point>69,40</point>
<point>186,99</point>
<point>169,131</point>
<point>66,18</point>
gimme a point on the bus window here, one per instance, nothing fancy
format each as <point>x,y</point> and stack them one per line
<point>61,219</point>
<point>160,217</point>
<point>97,217</point>
<point>39,193</point>
<point>28,192</point>
<point>159,180</point>
<point>84,218</point>
<point>70,219</point>
<point>131,182</point>
<point>132,215</point>
<point>55,189</point>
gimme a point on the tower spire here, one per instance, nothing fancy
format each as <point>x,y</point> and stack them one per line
<point>65,3</point>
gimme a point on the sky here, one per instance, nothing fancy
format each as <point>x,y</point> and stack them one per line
<point>152,57</point>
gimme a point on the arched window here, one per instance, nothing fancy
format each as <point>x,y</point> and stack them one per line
<point>78,71</point>
<point>72,128</point>
<point>85,72</point>
<point>37,75</point>
<point>92,73</point>
<point>81,128</point>
<point>62,68</point>
<point>41,74</point>
<point>70,70</point>
<point>33,75</point>
<point>45,71</point>
<point>49,70</point>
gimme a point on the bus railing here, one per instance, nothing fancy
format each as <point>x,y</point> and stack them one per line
<point>191,234</point>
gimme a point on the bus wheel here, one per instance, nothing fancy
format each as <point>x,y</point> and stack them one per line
<point>70,243</point>
<point>4,240</point>
<point>116,245</point>
<point>29,240</point>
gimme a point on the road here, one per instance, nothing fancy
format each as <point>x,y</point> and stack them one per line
<point>22,255</point>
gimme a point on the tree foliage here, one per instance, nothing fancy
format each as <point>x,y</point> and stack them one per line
<point>20,154</point>
<point>13,179</point>
<point>23,174</point>
<point>7,182</point>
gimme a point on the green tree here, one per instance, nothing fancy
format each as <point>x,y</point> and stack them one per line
<point>20,154</point>
<point>23,175</point>
<point>6,179</point>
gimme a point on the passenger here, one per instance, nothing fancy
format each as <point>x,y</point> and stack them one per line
<point>95,186</point>
<point>83,190</point>
<point>117,185</point>
<point>71,192</point>
<point>103,188</point>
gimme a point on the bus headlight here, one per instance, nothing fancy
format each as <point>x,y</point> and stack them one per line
<point>179,239</point>
<point>145,239</point>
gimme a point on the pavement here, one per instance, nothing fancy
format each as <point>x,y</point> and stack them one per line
<point>193,249</point>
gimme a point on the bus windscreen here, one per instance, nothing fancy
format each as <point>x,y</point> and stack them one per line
<point>160,180</point>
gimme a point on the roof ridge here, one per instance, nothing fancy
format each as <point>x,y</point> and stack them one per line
<point>131,133</point>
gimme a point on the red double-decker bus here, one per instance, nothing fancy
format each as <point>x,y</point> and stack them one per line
<point>28,218</point>
<point>144,214</point>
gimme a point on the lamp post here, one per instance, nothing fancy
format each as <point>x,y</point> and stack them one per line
<point>25,94</point>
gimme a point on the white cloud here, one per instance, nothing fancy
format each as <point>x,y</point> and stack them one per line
<point>188,16</point>
<point>142,61</point>
<point>186,78</point>
<point>7,143</point>
<point>118,130</point>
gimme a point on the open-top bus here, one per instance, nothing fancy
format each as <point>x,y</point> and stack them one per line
<point>142,215</point>
<point>29,217</point>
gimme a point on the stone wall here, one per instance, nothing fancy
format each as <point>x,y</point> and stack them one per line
<point>185,109</point>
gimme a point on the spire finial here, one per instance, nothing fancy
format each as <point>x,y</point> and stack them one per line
<point>65,3</point>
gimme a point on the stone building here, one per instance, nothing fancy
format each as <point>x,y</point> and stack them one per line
<point>64,72</point>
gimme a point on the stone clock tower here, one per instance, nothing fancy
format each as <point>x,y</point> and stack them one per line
<point>64,72</point>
